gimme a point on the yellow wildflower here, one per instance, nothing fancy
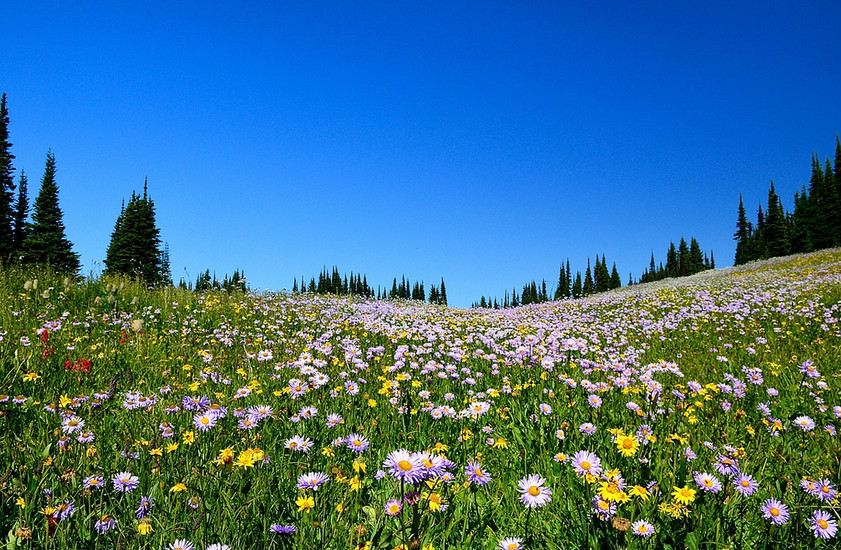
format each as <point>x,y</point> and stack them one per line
<point>305,504</point>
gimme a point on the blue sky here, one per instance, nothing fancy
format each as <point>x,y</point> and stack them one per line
<point>484,142</point>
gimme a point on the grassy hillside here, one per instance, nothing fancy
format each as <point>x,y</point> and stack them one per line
<point>697,413</point>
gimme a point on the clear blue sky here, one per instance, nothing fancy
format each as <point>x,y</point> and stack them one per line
<point>483,142</point>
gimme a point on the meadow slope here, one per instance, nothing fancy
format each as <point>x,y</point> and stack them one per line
<point>698,413</point>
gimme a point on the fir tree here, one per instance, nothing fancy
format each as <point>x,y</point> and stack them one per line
<point>21,214</point>
<point>577,287</point>
<point>443,292</point>
<point>672,262</point>
<point>695,258</point>
<point>682,258</point>
<point>7,184</point>
<point>166,269</point>
<point>588,280</point>
<point>742,234</point>
<point>615,281</point>
<point>135,246</point>
<point>776,243</point>
<point>45,241</point>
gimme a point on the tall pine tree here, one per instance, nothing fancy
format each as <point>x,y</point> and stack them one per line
<point>46,241</point>
<point>21,214</point>
<point>7,184</point>
<point>135,247</point>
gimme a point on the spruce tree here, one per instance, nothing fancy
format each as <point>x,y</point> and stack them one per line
<point>46,241</point>
<point>741,235</point>
<point>672,263</point>
<point>695,262</point>
<point>577,287</point>
<point>776,243</point>
<point>21,214</point>
<point>135,246</point>
<point>7,184</point>
<point>682,258</point>
<point>443,292</point>
<point>588,280</point>
<point>615,281</point>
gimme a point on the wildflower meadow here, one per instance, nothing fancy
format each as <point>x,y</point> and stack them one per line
<point>699,413</point>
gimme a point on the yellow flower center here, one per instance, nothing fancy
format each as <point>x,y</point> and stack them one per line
<point>627,443</point>
<point>774,511</point>
<point>404,465</point>
<point>642,528</point>
<point>823,524</point>
<point>708,482</point>
<point>205,420</point>
<point>585,465</point>
<point>477,471</point>
<point>745,483</point>
<point>534,490</point>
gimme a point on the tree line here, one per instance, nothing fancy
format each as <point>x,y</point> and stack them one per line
<point>681,261</point>
<point>357,285</point>
<point>135,246</point>
<point>814,224</point>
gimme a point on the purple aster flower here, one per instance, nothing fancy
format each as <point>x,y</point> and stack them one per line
<point>707,483</point>
<point>804,423</point>
<point>279,529</point>
<point>64,510</point>
<point>533,494</point>
<point>124,482</point>
<point>726,466</point>
<point>404,466</point>
<point>105,523</point>
<point>357,443</point>
<point>93,482</point>
<point>476,473</point>
<point>808,368</point>
<point>511,543</point>
<point>775,511</point>
<point>204,421</point>
<point>393,507</point>
<point>334,420</point>
<point>312,480</point>
<point>259,412</point>
<point>745,484</point>
<point>85,437</point>
<point>822,524</point>
<point>587,429</point>
<point>826,491</point>
<point>181,544</point>
<point>642,528</point>
<point>594,401</point>
<point>586,463</point>
<point>144,508</point>
<point>810,487</point>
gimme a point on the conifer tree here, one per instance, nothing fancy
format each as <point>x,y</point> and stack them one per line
<point>577,287</point>
<point>21,214</point>
<point>776,243</point>
<point>45,241</point>
<point>682,258</point>
<point>135,246</point>
<point>672,263</point>
<point>7,184</point>
<point>443,292</point>
<point>588,280</point>
<point>742,234</point>
<point>615,281</point>
<point>695,258</point>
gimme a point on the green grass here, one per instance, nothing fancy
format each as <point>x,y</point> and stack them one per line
<point>717,328</point>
